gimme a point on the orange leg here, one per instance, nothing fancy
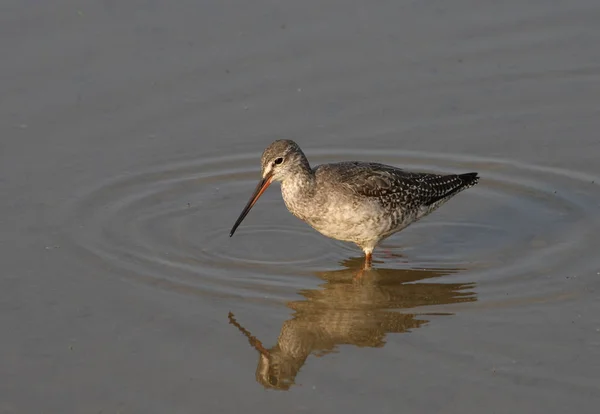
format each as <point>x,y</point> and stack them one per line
<point>367,266</point>
<point>368,260</point>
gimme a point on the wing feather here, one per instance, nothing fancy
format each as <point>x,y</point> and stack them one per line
<point>392,185</point>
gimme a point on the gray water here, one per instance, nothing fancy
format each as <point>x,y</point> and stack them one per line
<point>131,135</point>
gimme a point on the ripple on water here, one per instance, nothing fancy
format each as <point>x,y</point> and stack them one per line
<point>516,232</point>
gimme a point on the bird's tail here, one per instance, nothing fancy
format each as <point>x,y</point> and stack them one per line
<point>458,183</point>
<point>469,179</point>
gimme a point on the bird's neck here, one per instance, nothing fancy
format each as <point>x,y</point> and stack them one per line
<point>298,189</point>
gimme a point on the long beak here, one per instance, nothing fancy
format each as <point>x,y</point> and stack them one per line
<point>260,188</point>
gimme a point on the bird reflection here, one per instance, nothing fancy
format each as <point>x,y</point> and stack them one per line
<point>351,310</point>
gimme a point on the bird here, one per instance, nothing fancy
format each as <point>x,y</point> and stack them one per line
<point>353,201</point>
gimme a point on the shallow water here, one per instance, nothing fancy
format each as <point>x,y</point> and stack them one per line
<point>168,227</point>
<point>131,140</point>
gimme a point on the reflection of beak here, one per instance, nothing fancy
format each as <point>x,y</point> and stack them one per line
<point>260,188</point>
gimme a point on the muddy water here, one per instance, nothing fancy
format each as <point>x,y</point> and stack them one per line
<point>131,137</point>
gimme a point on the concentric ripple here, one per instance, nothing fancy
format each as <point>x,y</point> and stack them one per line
<point>519,232</point>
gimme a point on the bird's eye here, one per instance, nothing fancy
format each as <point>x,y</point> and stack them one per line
<point>278,160</point>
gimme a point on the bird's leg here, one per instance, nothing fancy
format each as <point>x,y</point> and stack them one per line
<point>368,259</point>
<point>366,266</point>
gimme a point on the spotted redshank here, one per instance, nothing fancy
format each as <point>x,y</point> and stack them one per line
<point>360,202</point>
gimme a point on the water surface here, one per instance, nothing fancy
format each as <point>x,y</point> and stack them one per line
<point>131,139</point>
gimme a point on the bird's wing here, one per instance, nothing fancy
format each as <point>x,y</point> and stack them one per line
<point>394,184</point>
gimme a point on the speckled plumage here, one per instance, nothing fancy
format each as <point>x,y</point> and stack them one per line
<point>360,202</point>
